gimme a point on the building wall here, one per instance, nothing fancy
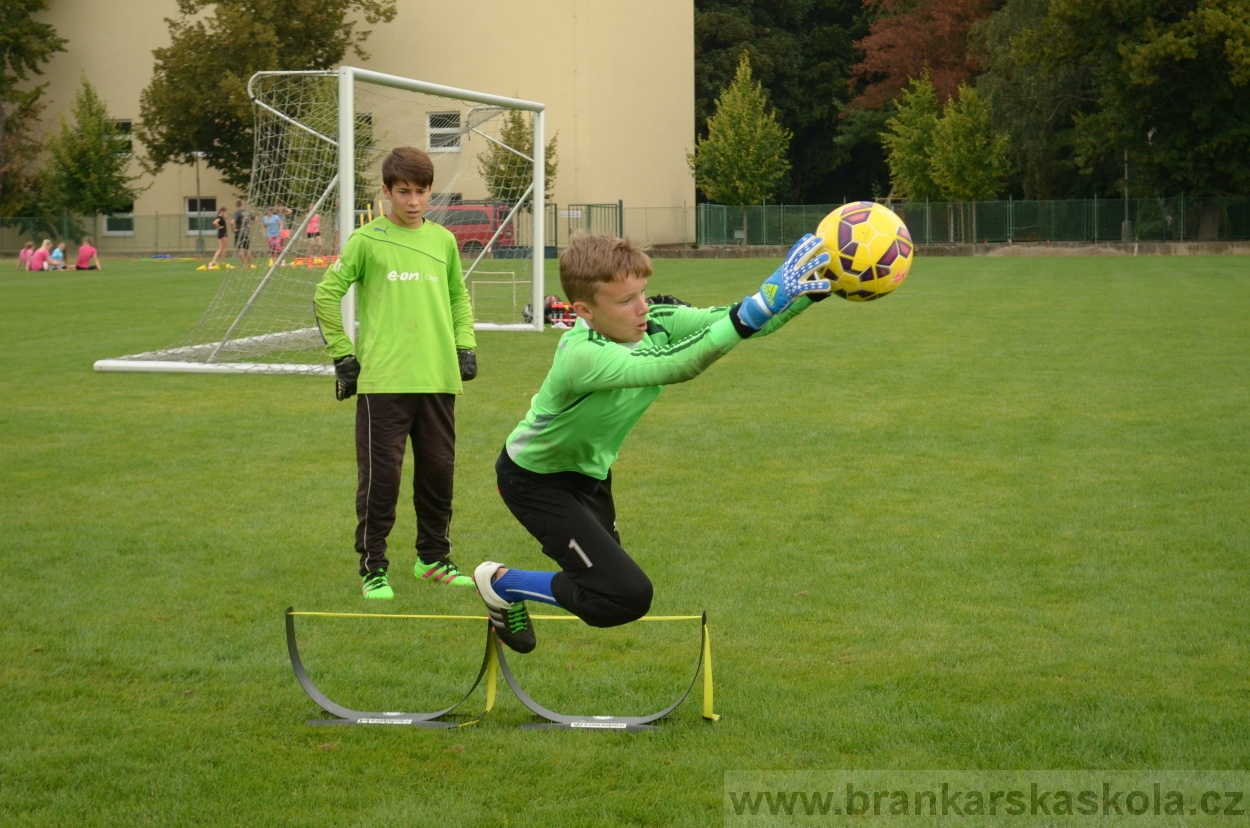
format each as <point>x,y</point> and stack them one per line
<point>617,80</point>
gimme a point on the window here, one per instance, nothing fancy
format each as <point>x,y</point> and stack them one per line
<point>200,213</point>
<point>444,131</point>
<point>121,224</point>
<point>125,142</point>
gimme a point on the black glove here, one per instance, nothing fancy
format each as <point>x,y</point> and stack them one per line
<point>468,363</point>
<point>346,372</point>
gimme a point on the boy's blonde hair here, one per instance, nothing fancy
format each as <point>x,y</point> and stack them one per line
<point>590,261</point>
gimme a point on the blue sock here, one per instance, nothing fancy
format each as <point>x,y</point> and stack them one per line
<point>526,585</point>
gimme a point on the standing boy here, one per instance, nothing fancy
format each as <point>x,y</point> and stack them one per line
<point>555,470</point>
<point>242,234</point>
<point>414,349</point>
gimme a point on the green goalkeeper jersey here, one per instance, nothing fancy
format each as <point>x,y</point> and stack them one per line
<point>412,306</point>
<point>598,389</point>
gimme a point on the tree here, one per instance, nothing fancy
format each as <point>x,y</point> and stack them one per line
<point>909,141</point>
<point>914,36</point>
<point>743,157</point>
<point>801,52</point>
<point>969,158</point>
<point>197,101</point>
<point>1034,105</point>
<point>1166,80</point>
<point>507,174</point>
<point>25,44</point>
<point>86,170</point>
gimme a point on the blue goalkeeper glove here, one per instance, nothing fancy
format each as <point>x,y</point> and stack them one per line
<point>792,280</point>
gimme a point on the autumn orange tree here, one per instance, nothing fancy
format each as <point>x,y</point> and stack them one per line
<point>910,38</point>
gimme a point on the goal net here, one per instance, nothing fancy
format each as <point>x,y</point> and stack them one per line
<point>320,141</point>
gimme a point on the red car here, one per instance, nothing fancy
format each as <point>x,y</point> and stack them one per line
<point>473,225</point>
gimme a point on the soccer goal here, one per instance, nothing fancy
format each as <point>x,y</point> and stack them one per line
<point>320,140</point>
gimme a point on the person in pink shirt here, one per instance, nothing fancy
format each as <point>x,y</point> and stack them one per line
<point>39,259</point>
<point>314,235</point>
<point>87,258</point>
<point>23,257</point>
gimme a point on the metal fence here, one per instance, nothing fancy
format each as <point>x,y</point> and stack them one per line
<point>652,226</point>
<point>175,234</point>
<point>941,222</point>
<point>936,222</point>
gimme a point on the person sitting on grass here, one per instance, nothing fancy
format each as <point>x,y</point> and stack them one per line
<point>56,260</point>
<point>23,256</point>
<point>39,259</point>
<point>555,471</point>
<point>87,258</point>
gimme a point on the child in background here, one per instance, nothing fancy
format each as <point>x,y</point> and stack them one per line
<point>23,257</point>
<point>273,231</point>
<point>39,259</point>
<point>56,260</point>
<point>87,258</point>
<point>314,235</point>
<point>221,223</point>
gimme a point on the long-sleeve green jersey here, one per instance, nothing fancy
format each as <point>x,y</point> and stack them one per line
<point>598,389</point>
<point>412,305</point>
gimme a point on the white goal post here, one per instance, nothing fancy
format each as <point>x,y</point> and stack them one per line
<point>320,137</point>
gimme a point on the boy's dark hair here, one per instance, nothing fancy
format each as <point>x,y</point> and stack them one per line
<point>590,261</point>
<point>407,164</point>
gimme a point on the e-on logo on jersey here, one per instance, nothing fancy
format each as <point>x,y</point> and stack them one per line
<point>396,276</point>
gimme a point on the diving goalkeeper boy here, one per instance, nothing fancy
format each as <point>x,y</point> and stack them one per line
<point>555,470</point>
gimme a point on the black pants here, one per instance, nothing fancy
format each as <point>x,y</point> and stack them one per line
<point>574,518</point>
<point>384,424</point>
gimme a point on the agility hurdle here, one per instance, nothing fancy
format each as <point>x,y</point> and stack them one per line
<point>494,663</point>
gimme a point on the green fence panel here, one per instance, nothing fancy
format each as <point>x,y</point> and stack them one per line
<point>930,222</point>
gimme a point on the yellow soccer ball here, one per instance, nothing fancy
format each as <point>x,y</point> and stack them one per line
<point>869,248</point>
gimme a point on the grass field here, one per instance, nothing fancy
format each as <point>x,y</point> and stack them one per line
<point>997,520</point>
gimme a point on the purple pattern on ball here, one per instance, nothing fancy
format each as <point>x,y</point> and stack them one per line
<point>890,254</point>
